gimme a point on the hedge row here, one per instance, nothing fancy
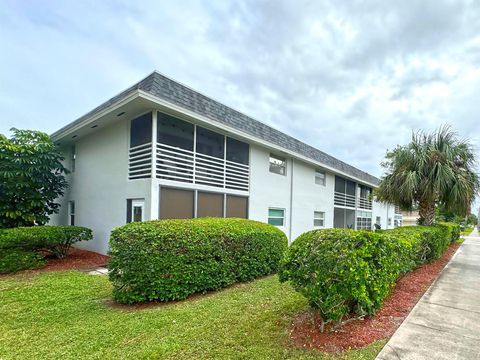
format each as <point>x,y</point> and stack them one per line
<point>171,259</point>
<point>24,247</point>
<point>344,271</point>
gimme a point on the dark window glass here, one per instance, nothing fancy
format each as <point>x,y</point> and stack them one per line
<point>210,143</point>
<point>237,151</point>
<point>174,132</point>
<point>141,130</point>
<point>209,204</point>
<point>339,184</point>
<point>338,218</point>
<point>71,212</point>
<point>350,188</point>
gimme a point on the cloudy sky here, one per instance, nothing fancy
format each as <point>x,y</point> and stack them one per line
<point>352,78</point>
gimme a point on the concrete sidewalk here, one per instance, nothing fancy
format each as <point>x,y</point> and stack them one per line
<point>445,323</point>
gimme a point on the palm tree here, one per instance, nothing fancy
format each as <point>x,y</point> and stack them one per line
<point>434,169</point>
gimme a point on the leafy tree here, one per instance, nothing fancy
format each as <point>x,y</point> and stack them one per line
<point>31,178</point>
<point>435,169</point>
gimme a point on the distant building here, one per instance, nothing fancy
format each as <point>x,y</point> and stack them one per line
<point>410,217</point>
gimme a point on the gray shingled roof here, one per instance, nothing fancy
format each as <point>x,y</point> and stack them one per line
<point>178,94</point>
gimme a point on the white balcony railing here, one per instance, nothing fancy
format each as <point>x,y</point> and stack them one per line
<point>140,161</point>
<point>342,199</point>
<point>187,166</point>
<point>364,203</point>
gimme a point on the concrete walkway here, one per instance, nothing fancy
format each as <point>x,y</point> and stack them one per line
<point>445,323</point>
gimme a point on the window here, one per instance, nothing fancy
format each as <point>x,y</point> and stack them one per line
<point>364,220</point>
<point>71,212</point>
<point>276,216</point>
<point>74,154</point>
<point>135,210</point>
<point>320,178</point>
<point>318,219</point>
<point>174,132</point>
<point>237,206</point>
<point>378,220</point>
<point>389,221</point>
<point>141,130</point>
<point>237,151</point>
<point>210,143</point>
<point>278,165</point>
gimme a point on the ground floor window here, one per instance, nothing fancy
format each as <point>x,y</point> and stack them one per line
<point>319,219</point>
<point>71,213</point>
<point>364,220</point>
<point>135,210</point>
<point>276,216</point>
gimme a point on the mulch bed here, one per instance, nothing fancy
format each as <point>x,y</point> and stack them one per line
<point>358,333</point>
<point>76,260</point>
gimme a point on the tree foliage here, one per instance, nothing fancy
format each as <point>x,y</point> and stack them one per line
<point>434,169</point>
<point>31,178</point>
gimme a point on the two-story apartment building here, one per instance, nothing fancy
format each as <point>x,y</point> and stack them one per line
<point>161,150</point>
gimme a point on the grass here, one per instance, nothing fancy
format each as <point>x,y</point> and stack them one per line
<point>69,315</point>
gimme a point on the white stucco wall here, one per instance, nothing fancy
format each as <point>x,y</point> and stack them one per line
<point>100,187</point>
<point>268,190</point>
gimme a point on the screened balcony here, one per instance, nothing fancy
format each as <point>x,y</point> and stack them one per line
<point>344,194</point>
<point>185,152</point>
<point>364,197</point>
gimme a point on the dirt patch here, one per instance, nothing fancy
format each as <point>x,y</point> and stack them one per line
<point>76,260</point>
<point>358,333</point>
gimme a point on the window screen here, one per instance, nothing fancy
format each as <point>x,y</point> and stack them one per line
<point>209,204</point>
<point>276,217</point>
<point>237,151</point>
<point>320,177</point>
<point>176,203</point>
<point>174,132</point>
<point>210,143</point>
<point>278,164</point>
<point>237,206</point>
<point>141,130</point>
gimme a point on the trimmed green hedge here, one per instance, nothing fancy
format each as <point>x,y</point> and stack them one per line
<point>171,259</point>
<point>16,260</point>
<point>344,271</point>
<point>55,240</point>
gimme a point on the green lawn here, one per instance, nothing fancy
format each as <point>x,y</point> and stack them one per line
<point>68,315</point>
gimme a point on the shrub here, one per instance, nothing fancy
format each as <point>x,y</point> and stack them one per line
<point>56,240</point>
<point>171,259</point>
<point>344,271</point>
<point>16,260</point>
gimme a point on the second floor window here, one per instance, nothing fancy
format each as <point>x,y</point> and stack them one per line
<point>320,178</point>
<point>278,165</point>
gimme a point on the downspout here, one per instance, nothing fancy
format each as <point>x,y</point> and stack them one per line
<point>291,204</point>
